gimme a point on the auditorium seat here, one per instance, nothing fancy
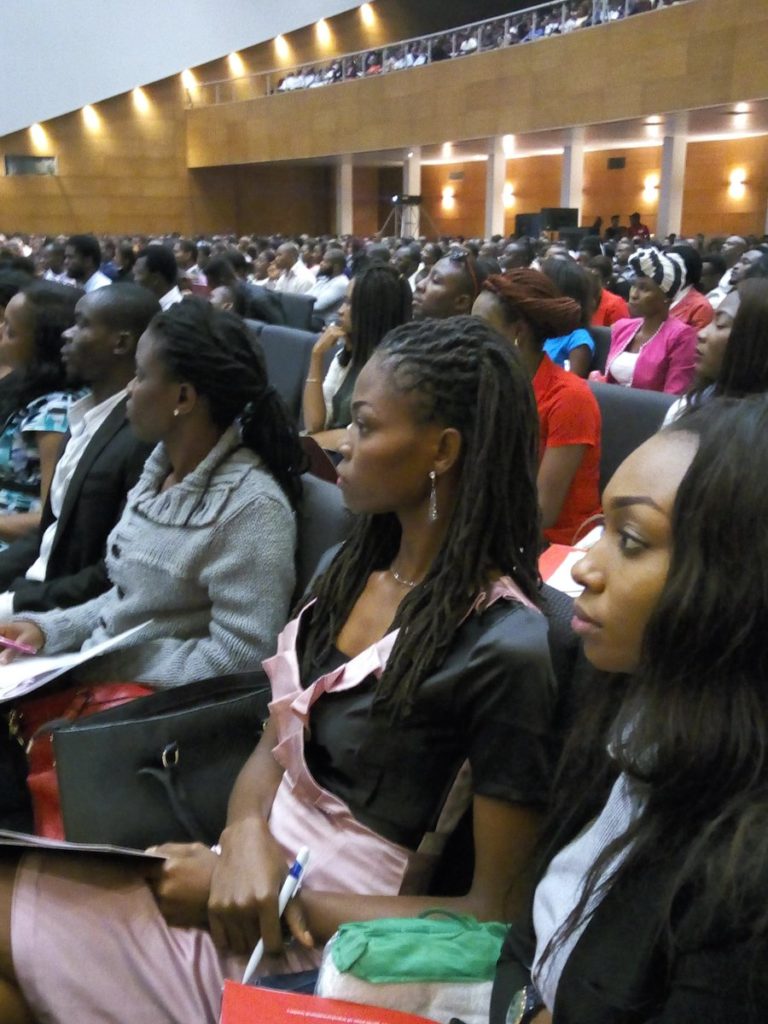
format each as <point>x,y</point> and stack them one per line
<point>286,353</point>
<point>602,339</point>
<point>629,417</point>
<point>323,522</point>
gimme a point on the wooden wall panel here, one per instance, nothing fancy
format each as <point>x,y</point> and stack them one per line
<point>536,183</point>
<point>693,55</point>
<point>708,207</point>
<point>620,191</point>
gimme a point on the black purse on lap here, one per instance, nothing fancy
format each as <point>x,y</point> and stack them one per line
<point>160,769</point>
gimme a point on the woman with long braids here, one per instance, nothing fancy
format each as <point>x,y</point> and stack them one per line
<point>378,299</point>
<point>205,546</point>
<point>650,906</point>
<point>417,667</point>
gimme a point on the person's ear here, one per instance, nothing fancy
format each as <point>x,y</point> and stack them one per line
<point>449,447</point>
<point>463,305</point>
<point>124,344</point>
<point>187,399</point>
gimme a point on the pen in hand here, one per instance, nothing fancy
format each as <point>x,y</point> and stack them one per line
<point>16,645</point>
<point>287,892</point>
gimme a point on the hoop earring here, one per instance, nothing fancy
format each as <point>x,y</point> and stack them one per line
<point>433,513</point>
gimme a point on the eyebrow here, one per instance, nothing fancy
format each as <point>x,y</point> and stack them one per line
<point>636,499</point>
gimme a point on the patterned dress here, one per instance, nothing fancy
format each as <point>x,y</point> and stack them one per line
<point>19,455</point>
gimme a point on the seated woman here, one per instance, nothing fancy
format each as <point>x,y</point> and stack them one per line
<point>419,650</point>
<point>651,906</point>
<point>378,299</point>
<point>652,349</point>
<point>205,546</point>
<point>732,354</point>
<point>525,306</point>
<point>34,401</point>
<point>576,347</point>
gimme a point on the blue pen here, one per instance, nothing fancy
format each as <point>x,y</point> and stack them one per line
<point>288,891</point>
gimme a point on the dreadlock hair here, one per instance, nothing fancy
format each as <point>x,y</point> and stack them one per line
<point>460,373</point>
<point>213,351</point>
<point>381,299</point>
<point>531,296</point>
<point>51,308</point>
<point>692,722</point>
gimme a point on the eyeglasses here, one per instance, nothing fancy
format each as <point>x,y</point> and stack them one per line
<point>458,254</point>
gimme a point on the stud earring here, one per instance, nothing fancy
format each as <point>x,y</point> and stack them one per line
<point>175,412</point>
<point>433,514</point>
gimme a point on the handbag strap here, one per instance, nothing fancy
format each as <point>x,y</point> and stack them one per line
<point>171,782</point>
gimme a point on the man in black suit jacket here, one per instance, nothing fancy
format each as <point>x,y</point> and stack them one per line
<point>62,564</point>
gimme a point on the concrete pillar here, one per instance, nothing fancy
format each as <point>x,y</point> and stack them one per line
<point>572,183</point>
<point>672,182</point>
<point>344,203</point>
<point>496,174</point>
<point>409,215</point>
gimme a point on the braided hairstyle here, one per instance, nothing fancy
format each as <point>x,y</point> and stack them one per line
<point>533,297</point>
<point>461,374</point>
<point>213,351</point>
<point>381,300</point>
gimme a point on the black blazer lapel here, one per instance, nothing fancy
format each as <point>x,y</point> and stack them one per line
<point>111,426</point>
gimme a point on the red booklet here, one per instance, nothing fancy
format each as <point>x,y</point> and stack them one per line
<point>246,1004</point>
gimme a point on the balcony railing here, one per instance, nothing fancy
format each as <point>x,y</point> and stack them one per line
<point>548,19</point>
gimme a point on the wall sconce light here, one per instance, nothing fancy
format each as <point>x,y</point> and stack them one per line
<point>368,15</point>
<point>236,65</point>
<point>651,188</point>
<point>509,195</point>
<point>140,100</point>
<point>188,79</point>
<point>737,183</point>
<point>91,118</point>
<point>323,33</point>
<point>282,48</point>
<point>449,198</point>
<point>39,136</point>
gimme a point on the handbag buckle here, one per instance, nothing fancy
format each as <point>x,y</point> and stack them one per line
<point>170,755</point>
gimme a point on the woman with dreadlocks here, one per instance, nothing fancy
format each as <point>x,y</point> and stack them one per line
<point>417,666</point>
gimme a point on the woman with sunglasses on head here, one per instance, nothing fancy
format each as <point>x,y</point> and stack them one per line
<point>418,651</point>
<point>378,299</point>
<point>650,906</point>
<point>204,550</point>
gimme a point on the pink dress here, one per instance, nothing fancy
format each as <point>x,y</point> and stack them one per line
<point>89,944</point>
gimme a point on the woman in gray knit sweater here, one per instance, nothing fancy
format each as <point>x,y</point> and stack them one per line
<point>205,547</point>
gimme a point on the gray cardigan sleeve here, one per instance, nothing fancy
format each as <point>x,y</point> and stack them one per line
<point>68,629</point>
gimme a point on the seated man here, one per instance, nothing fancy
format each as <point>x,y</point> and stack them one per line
<point>62,564</point>
<point>330,289</point>
<point>156,269</point>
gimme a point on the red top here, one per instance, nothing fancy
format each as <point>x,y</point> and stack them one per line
<point>693,309</point>
<point>610,309</point>
<point>569,414</point>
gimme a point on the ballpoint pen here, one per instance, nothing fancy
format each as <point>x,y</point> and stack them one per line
<point>288,891</point>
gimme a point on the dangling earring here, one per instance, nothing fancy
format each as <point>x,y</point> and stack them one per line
<point>432,498</point>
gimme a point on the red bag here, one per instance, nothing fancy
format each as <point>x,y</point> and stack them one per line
<point>31,721</point>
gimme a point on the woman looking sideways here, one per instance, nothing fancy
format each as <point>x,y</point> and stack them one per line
<point>378,299</point>
<point>420,649</point>
<point>651,906</point>
<point>526,307</point>
<point>652,349</point>
<point>205,545</point>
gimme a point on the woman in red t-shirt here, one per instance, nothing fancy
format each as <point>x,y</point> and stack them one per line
<point>526,307</point>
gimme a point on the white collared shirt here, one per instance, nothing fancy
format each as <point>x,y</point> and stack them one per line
<point>85,418</point>
<point>96,280</point>
<point>296,281</point>
<point>170,298</point>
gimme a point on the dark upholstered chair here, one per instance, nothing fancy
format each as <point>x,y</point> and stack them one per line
<point>630,416</point>
<point>286,354</point>
<point>602,339</point>
<point>323,523</point>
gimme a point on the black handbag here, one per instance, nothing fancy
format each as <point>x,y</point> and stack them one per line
<point>160,769</point>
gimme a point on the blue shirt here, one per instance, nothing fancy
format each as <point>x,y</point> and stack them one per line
<point>559,349</point>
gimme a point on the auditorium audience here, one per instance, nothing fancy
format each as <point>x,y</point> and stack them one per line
<point>204,550</point>
<point>287,273</point>
<point>378,299</point>
<point>82,259</point>
<point>330,287</point>
<point>609,307</point>
<point>156,270</point>
<point>652,349</point>
<point>689,305</point>
<point>577,347</point>
<point>420,648</point>
<point>34,401</point>
<point>62,563</point>
<point>650,899</point>
<point>451,286</point>
<point>526,307</point>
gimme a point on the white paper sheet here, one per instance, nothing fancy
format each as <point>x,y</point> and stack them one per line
<point>26,674</point>
<point>22,841</point>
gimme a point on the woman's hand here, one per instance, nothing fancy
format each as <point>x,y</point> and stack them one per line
<point>246,882</point>
<point>331,336</point>
<point>182,884</point>
<point>542,1017</point>
<point>22,633</point>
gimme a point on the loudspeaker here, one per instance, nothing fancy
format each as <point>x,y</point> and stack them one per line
<point>529,224</point>
<point>556,217</point>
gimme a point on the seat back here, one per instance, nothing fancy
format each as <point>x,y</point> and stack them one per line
<point>297,310</point>
<point>323,521</point>
<point>629,417</point>
<point>602,339</point>
<point>286,353</point>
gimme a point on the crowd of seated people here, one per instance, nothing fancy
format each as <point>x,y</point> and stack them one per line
<point>552,19</point>
<point>425,640</point>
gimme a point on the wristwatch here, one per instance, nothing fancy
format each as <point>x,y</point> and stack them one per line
<point>524,1006</point>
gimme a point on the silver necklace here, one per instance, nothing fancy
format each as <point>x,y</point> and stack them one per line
<point>402,579</point>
